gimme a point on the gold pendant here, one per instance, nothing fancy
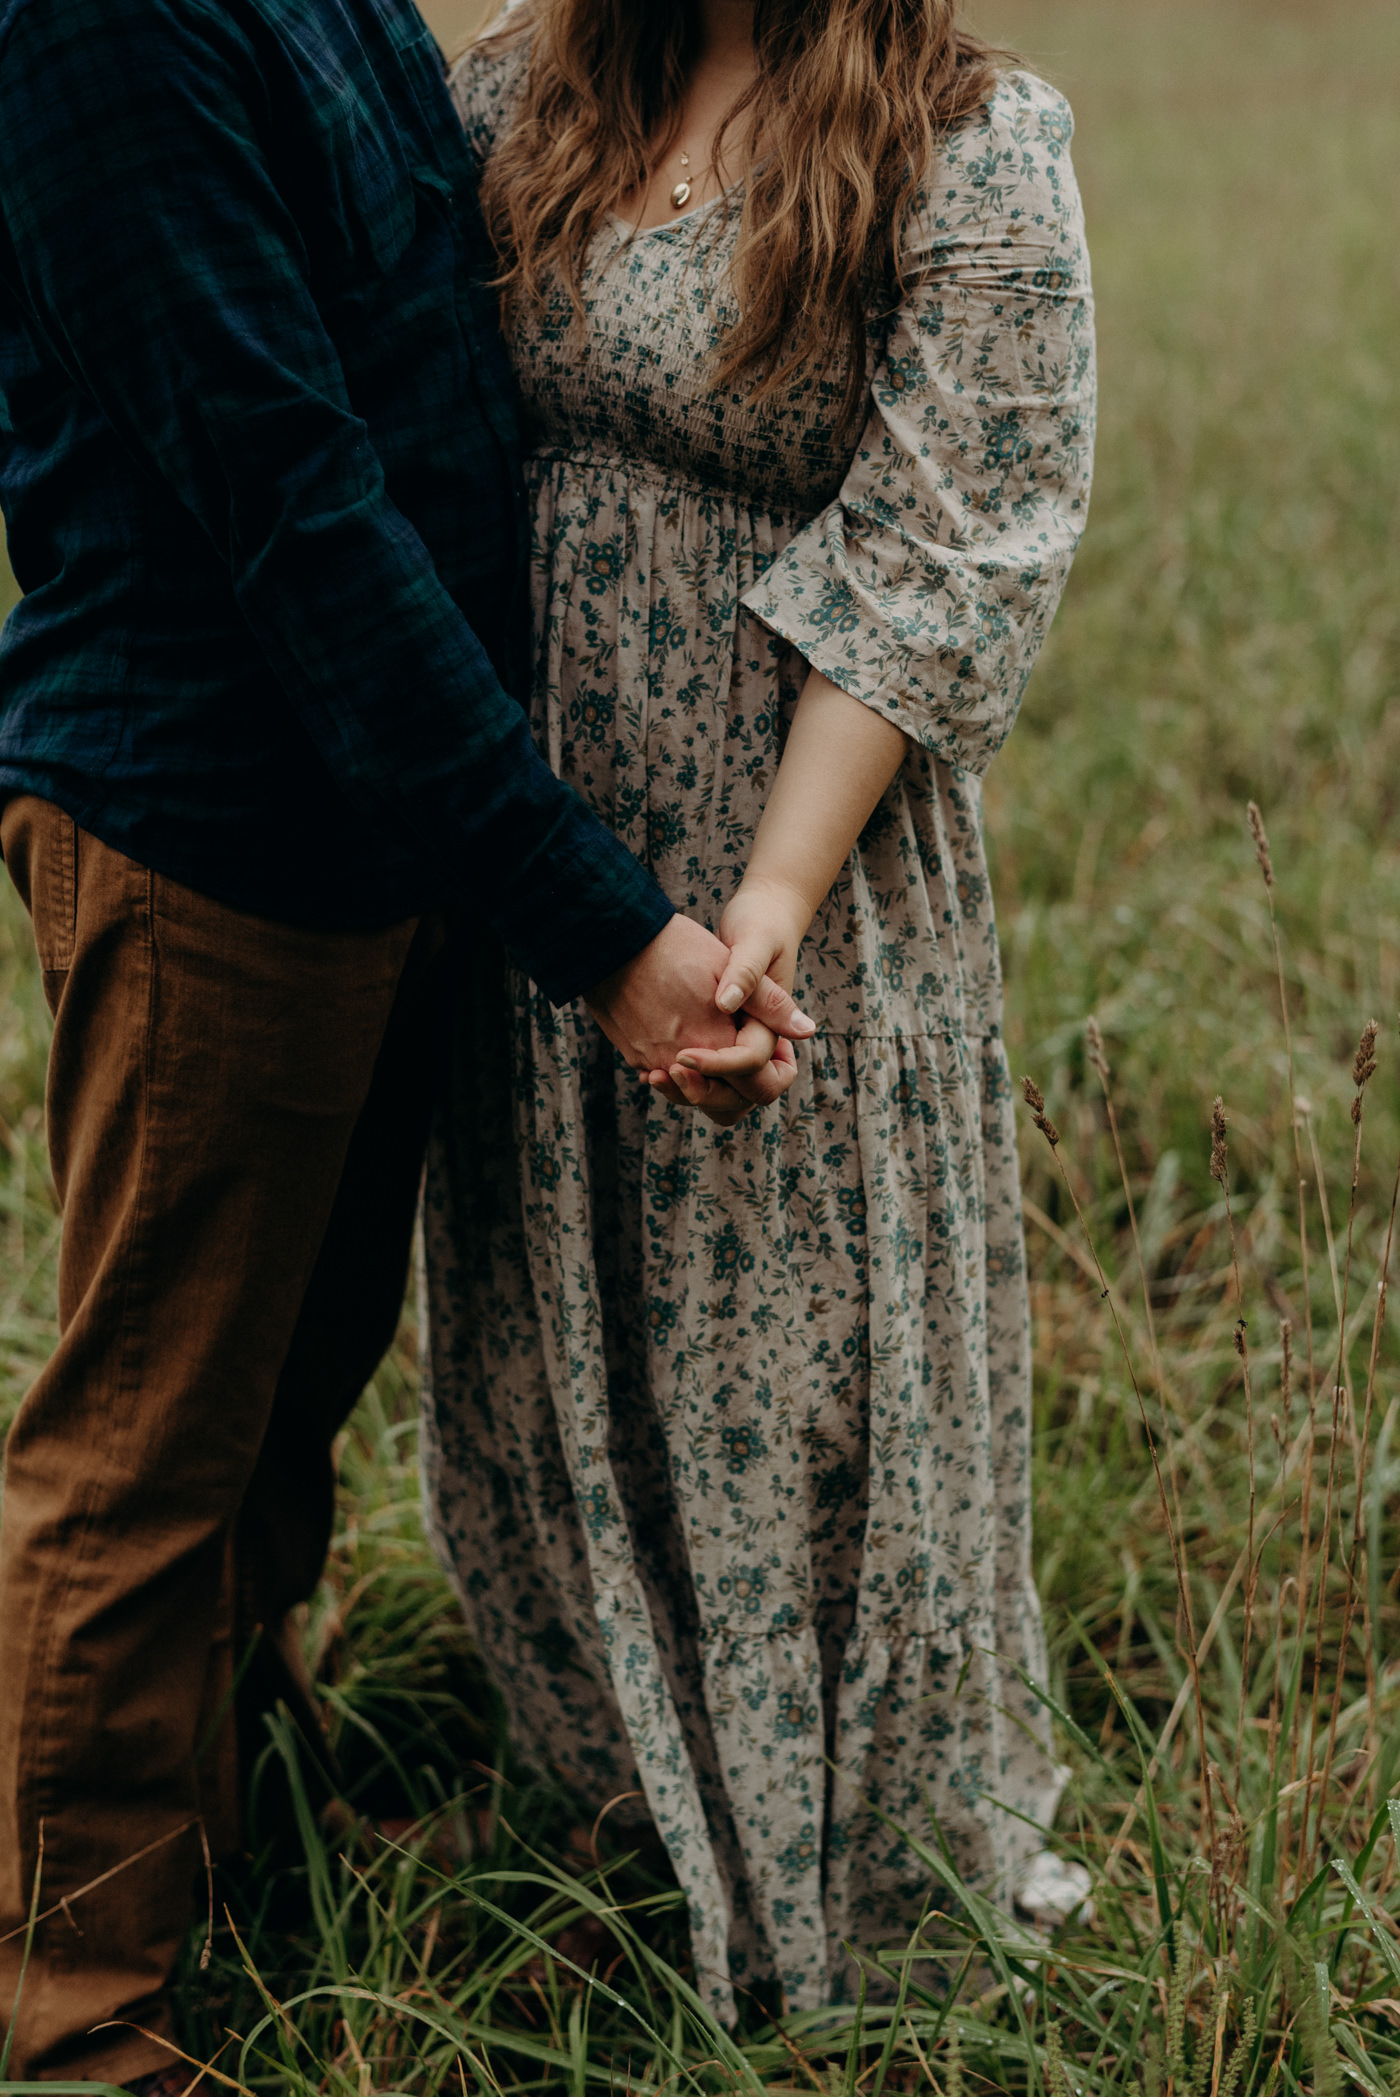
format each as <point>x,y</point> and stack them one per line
<point>680,196</point>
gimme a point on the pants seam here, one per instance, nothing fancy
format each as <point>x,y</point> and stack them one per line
<point>38,1760</point>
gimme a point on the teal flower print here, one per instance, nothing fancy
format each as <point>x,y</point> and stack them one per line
<point>901,375</point>
<point>840,1486</point>
<point>983,169</point>
<point>835,611</point>
<point>971,891</point>
<point>894,959</point>
<point>667,627</point>
<point>637,1663</point>
<point>1007,444</point>
<point>907,1095</point>
<point>602,565</point>
<point>1005,1264</point>
<point>795,1717</point>
<point>596,1507</point>
<point>669,1181</point>
<point>729,1254</point>
<point>746,1585</point>
<point>591,716</point>
<point>868,1710</point>
<point>797,1858</point>
<point>661,1317</point>
<point>743,1446</point>
<point>1056,280</point>
<point>1056,128</point>
<point>545,1166</point>
<point>666,828</point>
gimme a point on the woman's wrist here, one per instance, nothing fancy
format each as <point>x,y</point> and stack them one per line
<point>778,900</point>
<point>763,926</point>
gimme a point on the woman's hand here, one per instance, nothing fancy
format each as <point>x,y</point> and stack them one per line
<point>763,929</point>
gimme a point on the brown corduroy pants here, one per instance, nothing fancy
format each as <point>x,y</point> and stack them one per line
<point>237,1112</point>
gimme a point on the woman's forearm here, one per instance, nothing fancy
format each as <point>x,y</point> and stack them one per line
<point>840,757</point>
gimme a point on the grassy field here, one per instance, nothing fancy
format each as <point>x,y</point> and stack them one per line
<point>1217,1451</point>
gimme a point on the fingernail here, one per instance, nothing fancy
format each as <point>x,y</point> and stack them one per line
<point>730,998</point>
<point>802,1025</point>
<point>686,1061</point>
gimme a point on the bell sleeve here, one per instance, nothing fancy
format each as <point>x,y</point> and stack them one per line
<point>927,587</point>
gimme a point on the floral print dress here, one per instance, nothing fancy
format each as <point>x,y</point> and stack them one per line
<point>726,1432</point>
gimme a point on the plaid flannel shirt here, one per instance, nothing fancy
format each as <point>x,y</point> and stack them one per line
<point>259,470</point>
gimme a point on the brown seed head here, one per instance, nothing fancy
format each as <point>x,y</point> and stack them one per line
<point>1035,1100</point>
<point>1364,1062</point>
<point>1093,1042</point>
<point>1363,1068</point>
<point>1218,1163</point>
<point>1261,844</point>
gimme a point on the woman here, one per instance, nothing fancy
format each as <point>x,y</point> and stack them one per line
<point>727,1436</point>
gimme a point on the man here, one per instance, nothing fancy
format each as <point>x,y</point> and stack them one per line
<point>260,480</point>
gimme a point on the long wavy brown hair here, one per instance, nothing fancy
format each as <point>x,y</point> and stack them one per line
<point>843,120</point>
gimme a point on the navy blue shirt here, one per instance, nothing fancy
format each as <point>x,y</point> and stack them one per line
<point>259,470</point>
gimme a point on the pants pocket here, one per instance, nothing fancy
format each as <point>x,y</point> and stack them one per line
<point>40,844</point>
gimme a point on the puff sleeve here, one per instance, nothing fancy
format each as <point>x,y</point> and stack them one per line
<point>927,587</point>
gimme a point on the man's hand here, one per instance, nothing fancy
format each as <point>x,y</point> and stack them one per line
<point>663,1002</point>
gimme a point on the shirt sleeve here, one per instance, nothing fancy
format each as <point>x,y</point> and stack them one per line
<point>927,587</point>
<point>171,281</point>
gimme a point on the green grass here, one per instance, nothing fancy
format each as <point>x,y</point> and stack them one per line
<point>1231,632</point>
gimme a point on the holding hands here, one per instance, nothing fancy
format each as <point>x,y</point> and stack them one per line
<point>762,929</point>
<point>664,1004</point>
<point>667,1010</point>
